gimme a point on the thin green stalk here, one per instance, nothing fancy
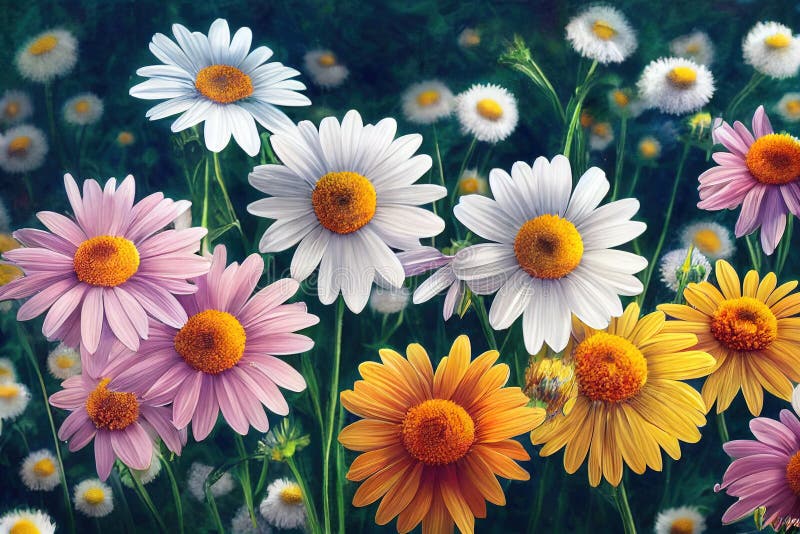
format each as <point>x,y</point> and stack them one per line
<point>667,477</point>
<point>24,439</point>
<point>483,317</point>
<point>22,336</point>
<point>634,180</point>
<point>330,423</point>
<point>341,482</point>
<point>212,507</point>
<point>228,204</point>
<point>26,179</point>
<point>262,477</point>
<point>176,494</point>
<point>784,246</point>
<point>126,509</point>
<point>737,100</point>
<point>244,474</point>
<point>144,496</point>
<point>665,227</point>
<point>722,427</point>
<point>440,167</point>
<point>574,122</point>
<point>623,132</point>
<point>536,511</point>
<point>311,509</point>
<point>204,213</point>
<point>624,508</point>
<point>754,250</point>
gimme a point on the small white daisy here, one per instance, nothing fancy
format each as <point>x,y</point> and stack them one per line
<point>472,183</point>
<point>346,194</point>
<point>39,471</point>
<point>601,134</point>
<point>672,265</point>
<point>22,149</point>
<point>648,148</point>
<point>48,55</point>
<point>696,46</point>
<point>242,524</point>
<point>198,473</point>
<point>683,520</point>
<point>14,398</point>
<point>602,33</point>
<point>624,103</point>
<point>27,522</point>
<point>284,505</point>
<point>427,102</point>
<point>324,68</point>
<point>788,107</point>
<point>5,218</point>
<point>64,362</point>
<point>772,49</point>
<point>425,259</point>
<point>15,106</point>
<point>676,85</point>
<point>7,371</point>
<point>469,38</point>
<point>93,498</point>
<point>389,300</point>
<point>216,79</point>
<point>712,239</point>
<point>83,109</point>
<point>487,111</point>
<point>145,476</point>
<point>550,253</point>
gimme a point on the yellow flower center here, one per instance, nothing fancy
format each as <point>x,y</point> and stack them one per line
<point>5,372</point>
<point>548,246</point>
<point>18,147</point>
<point>793,107</point>
<point>609,368</point>
<point>682,525</point>
<point>291,495</point>
<point>211,341</point>
<point>11,109</point>
<point>223,84</point>
<point>793,473</point>
<point>344,201</point>
<point>43,45</point>
<point>778,41</point>
<point>744,324</point>
<point>94,496</point>
<point>9,273</point>
<point>648,149</point>
<point>682,77</point>
<point>693,49</point>
<point>125,138</point>
<point>707,241</point>
<point>603,30</point>
<point>9,391</point>
<point>428,98</point>
<point>64,361</point>
<point>620,98</point>
<point>106,261</point>
<point>326,60</point>
<point>7,243</point>
<point>489,109</point>
<point>24,526</point>
<point>601,129</point>
<point>469,185</point>
<point>82,107</point>
<point>111,410</point>
<point>472,38</point>
<point>44,468</point>
<point>437,432</point>
<point>774,159</point>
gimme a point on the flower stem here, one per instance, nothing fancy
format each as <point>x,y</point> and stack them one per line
<point>754,250</point>
<point>234,220</point>
<point>634,180</point>
<point>623,131</point>
<point>330,423</point>
<point>262,477</point>
<point>144,496</point>
<point>244,475</point>
<point>311,510</point>
<point>722,427</point>
<point>441,172</point>
<point>577,103</point>
<point>737,100</point>
<point>536,511</point>
<point>624,508</point>
<point>204,214</point>
<point>480,309</point>
<point>176,495</point>
<point>783,247</point>
<point>126,509</point>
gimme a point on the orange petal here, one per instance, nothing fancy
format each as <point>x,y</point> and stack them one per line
<point>780,292</point>
<point>479,474</point>
<point>366,407</point>
<point>454,500</point>
<point>419,386</point>
<point>418,508</point>
<point>500,463</point>
<point>378,484</point>
<point>399,496</point>
<point>452,369</point>
<point>766,287</point>
<point>512,448</point>
<point>643,437</point>
<point>750,284</point>
<point>387,379</point>
<point>369,434</point>
<point>704,297</point>
<point>626,440</point>
<point>371,462</point>
<point>612,457</point>
<point>469,389</point>
<point>596,447</point>
<point>419,359</point>
<point>751,388</point>
<point>438,520</point>
<point>579,441</point>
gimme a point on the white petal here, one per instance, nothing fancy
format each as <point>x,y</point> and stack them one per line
<point>511,300</point>
<point>217,131</point>
<point>507,196</point>
<point>486,218</point>
<point>591,189</point>
<point>244,129</point>
<point>285,233</point>
<point>435,284</point>
<point>485,260</point>
<point>197,113</point>
<point>309,253</point>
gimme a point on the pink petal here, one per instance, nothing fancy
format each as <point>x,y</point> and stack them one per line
<point>62,309</point>
<point>118,320</point>
<point>133,446</point>
<point>103,454</point>
<point>186,400</point>
<point>268,298</point>
<point>280,343</point>
<point>205,416</point>
<point>62,226</point>
<point>121,204</point>
<point>92,318</point>
<point>229,404</point>
<point>39,259</point>
<point>38,303</point>
<point>278,371</point>
<point>31,237</point>
<point>266,390</point>
<point>761,124</point>
<point>159,419</point>
<point>172,241</point>
<point>73,423</point>
<point>775,434</point>
<point>134,311</point>
<point>159,303</point>
<point>748,217</point>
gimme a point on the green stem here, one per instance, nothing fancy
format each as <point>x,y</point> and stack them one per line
<point>331,416</point>
<point>228,204</point>
<point>483,317</point>
<point>536,511</point>
<point>26,346</point>
<point>244,474</point>
<point>341,481</point>
<point>311,509</point>
<point>126,509</point>
<point>441,172</point>
<point>737,100</point>
<point>623,131</point>
<point>204,213</point>
<point>212,507</point>
<point>722,427</point>
<point>574,122</point>
<point>24,439</point>
<point>176,494</point>
<point>634,180</point>
<point>51,119</point>
<point>144,496</point>
<point>754,250</point>
<point>262,477</point>
<point>624,508</point>
<point>784,246</point>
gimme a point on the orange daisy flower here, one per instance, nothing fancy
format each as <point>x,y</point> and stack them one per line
<point>749,328</point>
<point>433,443</point>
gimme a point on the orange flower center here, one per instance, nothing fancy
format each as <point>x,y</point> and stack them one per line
<point>774,159</point>
<point>548,246</point>
<point>24,526</point>
<point>472,38</point>
<point>125,138</point>
<point>64,361</point>
<point>344,201</point>
<point>19,146</point>
<point>223,84</point>
<point>437,432</point>
<point>603,30</point>
<point>682,525</point>
<point>601,129</point>
<point>291,495</point>
<point>111,410</point>
<point>682,77</point>
<point>587,119</point>
<point>12,109</point>
<point>693,48</point>
<point>428,98</point>
<point>9,391</point>
<point>648,149</point>
<point>326,60</point>
<point>778,40</point>
<point>744,324</point>
<point>94,496</point>
<point>106,261</point>
<point>489,109</point>
<point>793,473</point>
<point>82,107</point>
<point>211,341</point>
<point>793,107</point>
<point>707,241</point>
<point>609,368</point>
<point>9,273</point>
<point>44,468</point>
<point>620,98</point>
<point>7,243</point>
<point>43,45</point>
<point>469,185</point>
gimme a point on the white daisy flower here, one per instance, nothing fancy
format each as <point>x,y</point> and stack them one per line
<point>550,254</point>
<point>712,239</point>
<point>7,371</point>
<point>48,55</point>
<point>5,218</point>
<point>488,112</point>
<point>389,300</point>
<point>672,265</point>
<point>788,107</point>
<point>284,505</point>
<point>14,398</point>
<point>22,149</point>
<point>15,106</point>
<point>324,68</point>
<point>218,80</point>
<point>425,259</point>
<point>427,102</point>
<point>39,471</point>
<point>93,498</point>
<point>469,38</point>
<point>648,148</point>
<point>64,362</point>
<point>198,473</point>
<point>676,85</point>
<point>696,46</point>
<point>242,524</point>
<point>624,103</point>
<point>145,476</point>
<point>83,109</point>
<point>602,33</point>
<point>772,49</point>
<point>346,194</point>
<point>472,183</point>
<point>27,521</point>
<point>601,134</point>
<point>684,520</point>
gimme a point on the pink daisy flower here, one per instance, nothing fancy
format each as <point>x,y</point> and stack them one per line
<point>765,472</point>
<point>759,172</point>
<point>223,356</point>
<point>108,269</point>
<point>122,423</point>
